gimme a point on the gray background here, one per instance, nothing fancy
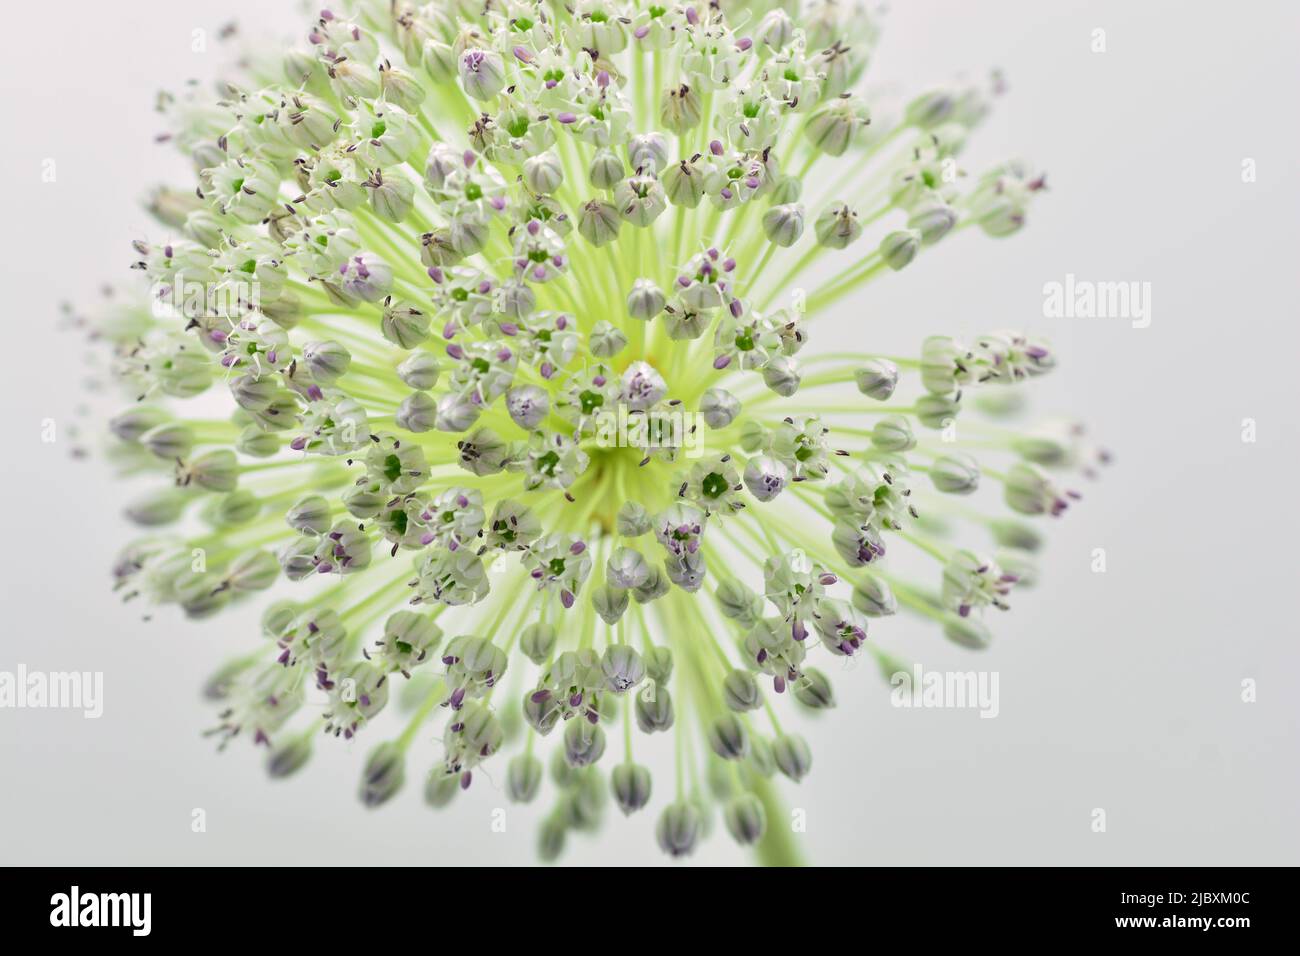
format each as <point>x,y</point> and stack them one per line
<point>1118,690</point>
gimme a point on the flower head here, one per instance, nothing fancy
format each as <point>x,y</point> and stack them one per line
<point>510,344</point>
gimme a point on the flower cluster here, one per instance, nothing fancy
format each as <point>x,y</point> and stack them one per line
<point>440,248</point>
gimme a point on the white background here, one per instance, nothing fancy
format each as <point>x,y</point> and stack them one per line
<point>1118,691</point>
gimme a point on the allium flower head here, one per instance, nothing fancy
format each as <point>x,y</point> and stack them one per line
<point>502,371</point>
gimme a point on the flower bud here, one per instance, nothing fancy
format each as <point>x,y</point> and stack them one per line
<point>543,173</point>
<point>455,413</point>
<point>783,225</point>
<point>728,737</point>
<point>792,756</point>
<point>1016,534</point>
<point>740,691</point>
<point>900,248</point>
<point>254,571</point>
<point>310,515</point>
<point>782,376</point>
<point>401,88</point>
<point>683,324</point>
<point>933,219</point>
<point>766,477</point>
<point>1019,563</point>
<point>945,364</point>
<point>327,361</point>
<point>391,197</point>
<point>938,411</point>
<point>278,618</point>
<point>786,189</point>
<point>610,602</point>
<point>970,632</point>
<point>418,412</point>
<point>632,520</point>
<point>419,370</point>
<point>538,642</point>
<point>746,819</point>
<point>298,558</point>
<point>584,804</point>
<point>234,509</point>
<point>523,778</point>
<point>657,712</point>
<point>645,301</point>
<point>606,340</point>
<point>404,326</point>
<point>719,407</point>
<point>542,714</point>
<point>640,200</point>
<point>622,667</point>
<point>598,222</point>
<point>877,379</point>
<point>384,774</point>
<point>955,474</point>
<point>367,277</point>
<point>678,829</point>
<point>134,422</point>
<point>528,406</point>
<point>482,73</point>
<point>930,109</point>
<point>873,597</point>
<point>550,839</point>
<point>363,501</point>
<point>893,434</point>
<point>289,757</point>
<point>857,543</point>
<point>169,441</point>
<point>683,185</point>
<point>516,299</point>
<point>257,443</point>
<point>648,152</point>
<point>606,169</point>
<point>1029,490</point>
<point>441,788</point>
<point>627,568</point>
<point>739,603</point>
<point>833,127</point>
<point>679,109</point>
<point>814,690</point>
<point>630,784</point>
<point>409,638</point>
<point>216,470</point>
<point>584,743</point>
<point>775,30</point>
<point>1044,449</point>
<point>837,227</point>
<point>659,665</point>
<point>468,234</point>
<point>201,595</point>
<point>252,393</point>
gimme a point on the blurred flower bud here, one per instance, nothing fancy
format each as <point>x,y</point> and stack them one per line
<point>898,249</point>
<point>678,829</point>
<point>792,756</point>
<point>523,778</point>
<point>877,379</point>
<point>746,819</point>
<point>740,691</point>
<point>630,784</point>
